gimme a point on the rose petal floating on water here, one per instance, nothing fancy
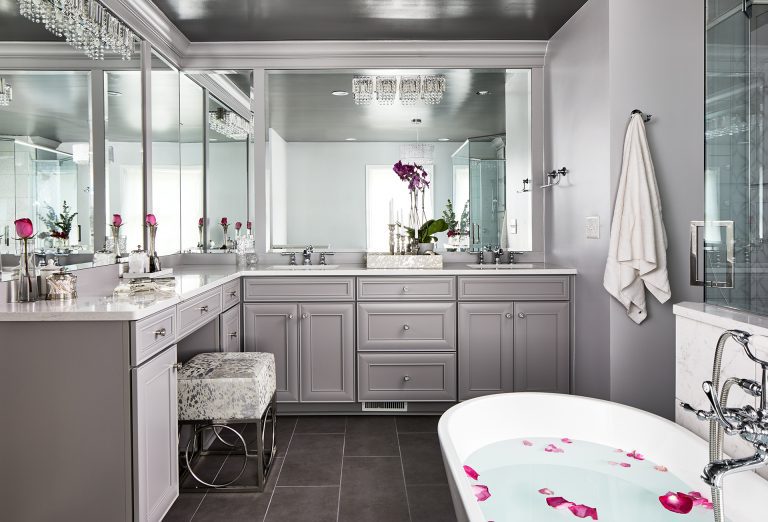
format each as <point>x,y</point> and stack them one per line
<point>635,455</point>
<point>527,443</point>
<point>553,449</point>
<point>707,505</point>
<point>471,473</point>
<point>582,511</point>
<point>558,502</point>
<point>481,492</point>
<point>566,440</point>
<point>663,469</point>
<point>677,502</point>
<point>546,491</point>
<point>698,498</point>
<point>625,465</point>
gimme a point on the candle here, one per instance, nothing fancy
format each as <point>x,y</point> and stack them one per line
<point>391,210</point>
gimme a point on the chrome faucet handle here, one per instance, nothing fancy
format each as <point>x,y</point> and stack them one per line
<point>480,257</point>
<point>513,256</point>
<point>323,256</point>
<point>292,255</point>
<point>714,401</point>
<point>700,414</point>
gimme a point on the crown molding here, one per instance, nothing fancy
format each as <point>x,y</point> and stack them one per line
<point>226,91</point>
<point>54,55</point>
<point>324,54</point>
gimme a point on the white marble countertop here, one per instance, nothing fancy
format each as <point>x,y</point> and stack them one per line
<point>193,280</point>
<point>726,318</point>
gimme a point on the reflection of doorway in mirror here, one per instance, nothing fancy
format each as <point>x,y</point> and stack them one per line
<point>382,186</point>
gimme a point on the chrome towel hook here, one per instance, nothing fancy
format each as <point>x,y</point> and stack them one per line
<point>555,177</point>
<point>646,117</point>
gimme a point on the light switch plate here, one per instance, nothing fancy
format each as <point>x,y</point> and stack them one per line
<point>593,227</point>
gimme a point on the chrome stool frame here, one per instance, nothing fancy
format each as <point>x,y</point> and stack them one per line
<point>264,457</point>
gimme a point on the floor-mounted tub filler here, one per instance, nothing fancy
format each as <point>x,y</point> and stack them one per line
<point>536,457</point>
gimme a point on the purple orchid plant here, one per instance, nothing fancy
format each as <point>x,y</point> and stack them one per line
<point>413,174</point>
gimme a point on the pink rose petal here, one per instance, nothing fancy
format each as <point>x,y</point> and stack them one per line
<point>546,491</point>
<point>527,443</point>
<point>622,464</point>
<point>558,503</point>
<point>566,440</point>
<point>481,492</point>
<point>635,455</point>
<point>619,450</point>
<point>582,511</point>
<point>698,498</point>
<point>663,469</point>
<point>707,505</point>
<point>553,449</point>
<point>677,502</point>
<point>471,473</point>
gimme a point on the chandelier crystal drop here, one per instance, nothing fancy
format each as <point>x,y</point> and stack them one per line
<point>85,24</point>
<point>409,89</point>
<point>6,93</point>
<point>229,124</point>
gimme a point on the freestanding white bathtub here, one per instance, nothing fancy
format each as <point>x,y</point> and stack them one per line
<point>473,424</point>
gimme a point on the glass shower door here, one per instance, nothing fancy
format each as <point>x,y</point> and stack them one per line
<point>487,190</point>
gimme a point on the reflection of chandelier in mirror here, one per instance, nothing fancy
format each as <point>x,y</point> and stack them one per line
<point>85,24</point>
<point>229,124</point>
<point>385,89</point>
<point>6,93</point>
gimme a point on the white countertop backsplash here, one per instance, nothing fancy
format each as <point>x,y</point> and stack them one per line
<point>193,280</point>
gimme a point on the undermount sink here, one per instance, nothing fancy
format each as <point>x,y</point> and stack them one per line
<point>490,266</point>
<point>303,267</point>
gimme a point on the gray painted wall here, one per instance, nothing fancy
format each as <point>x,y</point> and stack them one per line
<point>653,55</point>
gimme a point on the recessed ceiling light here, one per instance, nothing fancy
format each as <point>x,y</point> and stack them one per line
<point>483,93</point>
<point>350,139</point>
<point>340,93</point>
<point>114,93</point>
<point>443,139</point>
<point>416,121</point>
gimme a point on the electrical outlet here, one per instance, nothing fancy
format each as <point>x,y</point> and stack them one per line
<point>593,227</point>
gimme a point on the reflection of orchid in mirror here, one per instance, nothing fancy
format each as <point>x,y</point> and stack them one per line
<point>413,174</point>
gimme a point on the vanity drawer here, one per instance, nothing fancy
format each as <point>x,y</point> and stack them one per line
<point>402,289</point>
<point>230,330</point>
<point>197,311</point>
<point>406,327</point>
<point>299,288</point>
<point>231,294</point>
<point>508,288</point>
<point>412,377</point>
<point>152,334</point>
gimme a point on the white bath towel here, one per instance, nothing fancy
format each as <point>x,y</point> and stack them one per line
<point>637,256</point>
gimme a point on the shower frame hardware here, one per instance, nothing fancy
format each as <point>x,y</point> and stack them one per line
<point>555,176</point>
<point>697,231</point>
<point>646,117</point>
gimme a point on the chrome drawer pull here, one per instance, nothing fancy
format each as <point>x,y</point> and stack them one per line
<point>521,315</point>
<point>304,316</point>
<point>160,333</point>
<point>233,293</point>
<point>176,366</point>
<point>203,308</point>
<point>290,316</point>
<point>405,289</point>
<point>233,334</point>
<point>508,315</point>
<point>407,378</point>
<point>406,327</point>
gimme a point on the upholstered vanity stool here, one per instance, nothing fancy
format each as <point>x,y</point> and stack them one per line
<point>217,389</point>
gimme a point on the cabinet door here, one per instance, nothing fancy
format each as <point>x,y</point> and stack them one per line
<point>327,352</point>
<point>542,347</point>
<point>273,328</point>
<point>486,352</point>
<point>230,330</point>
<point>155,437</point>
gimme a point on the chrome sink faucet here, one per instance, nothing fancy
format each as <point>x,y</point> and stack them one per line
<point>498,252</point>
<point>308,255</point>
<point>747,422</point>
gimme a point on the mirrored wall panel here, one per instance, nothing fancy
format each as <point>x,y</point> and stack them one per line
<point>45,160</point>
<point>191,134</point>
<point>336,136</point>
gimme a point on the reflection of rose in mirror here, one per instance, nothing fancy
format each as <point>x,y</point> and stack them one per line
<point>24,228</point>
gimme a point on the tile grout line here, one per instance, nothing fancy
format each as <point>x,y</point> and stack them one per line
<point>207,490</point>
<point>341,472</point>
<point>402,468</point>
<point>277,478</point>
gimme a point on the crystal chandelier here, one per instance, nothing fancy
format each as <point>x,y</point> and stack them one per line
<point>6,93</point>
<point>229,124</point>
<point>386,89</point>
<point>85,24</point>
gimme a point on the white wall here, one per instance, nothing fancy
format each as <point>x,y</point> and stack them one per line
<point>278,174</point>
<point>609,59</point>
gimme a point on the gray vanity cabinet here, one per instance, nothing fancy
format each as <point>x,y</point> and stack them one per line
<point>327,352</point>
<point>542,347</point>
<point>155,437</point>
<point>486,349</point>
<point>273,328</point>
<point>230,330</point>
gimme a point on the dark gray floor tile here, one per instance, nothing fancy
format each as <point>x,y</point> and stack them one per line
<point>206,468</point>
<point>417,423</point>
<point>371,437</point>
<point>184,507</point>
<point>372,490</point>
<point>422,459</point>
<point>313,460</point>
<point>321,424</point>
<point>304,504</point>
<point>431,504</point>
<point>236,507</point>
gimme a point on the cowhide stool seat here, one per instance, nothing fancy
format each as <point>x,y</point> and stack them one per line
<point>221,388</point>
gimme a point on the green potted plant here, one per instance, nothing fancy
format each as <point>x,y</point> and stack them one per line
<point>426,234</point>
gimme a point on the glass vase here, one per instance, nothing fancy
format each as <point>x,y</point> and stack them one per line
<point>154,259</point>
<point>224,245</point>
<point>201,241</point>
<point>116,241</point>
<point>414,222</point>
<point>27,282</point>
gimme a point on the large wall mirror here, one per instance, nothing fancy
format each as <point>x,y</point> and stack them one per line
<point>331,154</point>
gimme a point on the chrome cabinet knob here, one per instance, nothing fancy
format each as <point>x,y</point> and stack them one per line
<point>521,315</point>
<point>304,316</point>
<point>204,309</point>
<point>406,327</point>
<point>508,315</point>
<point>160,333</point>
<point>407,378</point>
<point>405,289</point>
<point>233,293</point>
<point>290,316</point>
<point>233,334</point>
<point>177,366</point>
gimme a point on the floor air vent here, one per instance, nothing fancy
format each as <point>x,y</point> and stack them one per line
<point>385,406</point>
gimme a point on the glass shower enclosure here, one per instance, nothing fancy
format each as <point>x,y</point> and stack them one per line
<point>480,178</point>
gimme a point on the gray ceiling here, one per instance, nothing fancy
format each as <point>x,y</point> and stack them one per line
<point>251,20</point>
<point>301,108</point>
